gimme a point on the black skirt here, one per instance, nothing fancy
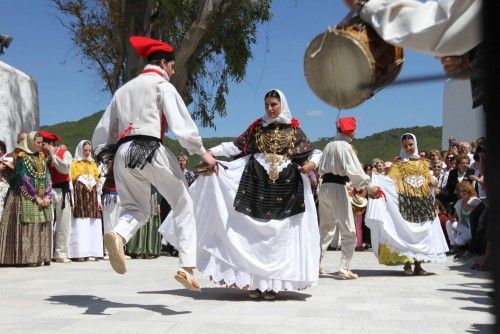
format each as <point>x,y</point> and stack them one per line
<point>259,197</point>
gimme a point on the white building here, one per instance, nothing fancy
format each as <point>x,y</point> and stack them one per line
<point>459,119</point>
<point>18,104</point>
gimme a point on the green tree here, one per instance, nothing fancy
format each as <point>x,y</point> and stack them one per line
<point>213,39</point>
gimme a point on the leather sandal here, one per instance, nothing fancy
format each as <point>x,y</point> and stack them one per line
<point>62,260</point>
<point>347,274</point>
<point>114,245</point>
<point>187,280</point>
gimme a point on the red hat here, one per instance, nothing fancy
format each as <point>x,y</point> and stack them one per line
<point>49,136</point>
<point>147,47</point>
<point>346,125</point>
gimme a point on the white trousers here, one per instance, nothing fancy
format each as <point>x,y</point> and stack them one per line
<point>63,223</point>
<point>458,233</point>
<point>335,211</point>
<point>134,190</point>
<point>110,213</point>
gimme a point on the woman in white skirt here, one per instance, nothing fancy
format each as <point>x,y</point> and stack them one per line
<point>85,240</point>
<point>405,228</point>
<point>257,227</point>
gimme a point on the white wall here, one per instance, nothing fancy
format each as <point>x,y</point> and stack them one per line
<point>18,104</point>
<point>459,119</point>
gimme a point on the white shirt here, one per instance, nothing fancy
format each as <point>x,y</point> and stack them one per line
<point>138,106</point>
<point>339,158</point>
<point>441,27</point>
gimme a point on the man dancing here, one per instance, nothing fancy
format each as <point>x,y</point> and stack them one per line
<point>338,165</point>
<point>135,120</point>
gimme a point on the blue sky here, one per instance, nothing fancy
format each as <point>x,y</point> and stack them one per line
<point>68,90</point>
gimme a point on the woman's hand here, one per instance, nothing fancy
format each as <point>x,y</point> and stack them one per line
<point>307,167</point>
<point>47,201</point>
<point>38,201</point>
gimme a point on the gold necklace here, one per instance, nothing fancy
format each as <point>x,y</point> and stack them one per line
<point>411,169</point>
<point>35,166</point>
<point>277,145</point>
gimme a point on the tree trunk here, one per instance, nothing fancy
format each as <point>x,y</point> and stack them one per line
<point>137,21</point>
<point>191,41</point>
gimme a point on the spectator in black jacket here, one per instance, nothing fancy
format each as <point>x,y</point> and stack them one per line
<point>459,173</point>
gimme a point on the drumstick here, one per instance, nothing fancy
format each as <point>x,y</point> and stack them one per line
<point>423,78</point>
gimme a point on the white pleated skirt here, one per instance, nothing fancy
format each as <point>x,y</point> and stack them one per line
<point>422,241</point>
<point>237,250</point>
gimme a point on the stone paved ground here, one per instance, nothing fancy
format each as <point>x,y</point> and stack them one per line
<point>90,298</point>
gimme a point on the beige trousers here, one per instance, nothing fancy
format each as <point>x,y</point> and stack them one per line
<point>335,211</point>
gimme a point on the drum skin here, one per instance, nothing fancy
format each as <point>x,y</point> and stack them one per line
<point>346,66</point>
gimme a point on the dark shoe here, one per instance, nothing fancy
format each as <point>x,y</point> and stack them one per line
<point>407,269</point>
<point>359,248</point>
<point>270,295</point>
<point>255,294</point>
<point>420,272</point>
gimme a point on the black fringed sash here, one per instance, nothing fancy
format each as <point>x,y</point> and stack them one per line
<point>140,152</point>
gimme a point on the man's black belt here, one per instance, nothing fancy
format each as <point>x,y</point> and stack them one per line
<point>137,137</point>
<point>334,178</point>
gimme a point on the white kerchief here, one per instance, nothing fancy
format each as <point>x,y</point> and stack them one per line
<point>285,117</point>
<point>402,153</point>
<point>79,151</point>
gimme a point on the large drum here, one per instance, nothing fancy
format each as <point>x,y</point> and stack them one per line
<point>346,66</point>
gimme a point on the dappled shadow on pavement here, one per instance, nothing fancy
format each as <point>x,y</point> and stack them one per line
<point>227,294</point>
<point>480,294</point>
<point>98,306</point>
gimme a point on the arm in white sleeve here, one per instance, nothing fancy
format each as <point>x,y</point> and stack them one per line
<point>441,28</point>
<point>353,169</point>
<point>179,120</point>
<point>227,149</point>
<point>100,184</point>
<point>63,164</point>
<point>106,131</point>
<point>315,156</point>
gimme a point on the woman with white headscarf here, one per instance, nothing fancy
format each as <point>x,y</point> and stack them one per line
<point>85,239</point>
<point>404,225</point>
<point>26,222</point>
<point>256,221</point>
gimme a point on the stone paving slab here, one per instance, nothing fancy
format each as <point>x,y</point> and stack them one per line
<point>90,298</point>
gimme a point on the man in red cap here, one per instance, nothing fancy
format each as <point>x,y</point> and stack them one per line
<point>59,161</point>
<point>339,165</point>
<point>135,120</point>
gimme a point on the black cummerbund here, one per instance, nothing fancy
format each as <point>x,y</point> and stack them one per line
<point>334,178</point>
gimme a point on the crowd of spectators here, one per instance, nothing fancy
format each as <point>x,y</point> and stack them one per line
<point>460,195</point>
<point>40,180</point>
